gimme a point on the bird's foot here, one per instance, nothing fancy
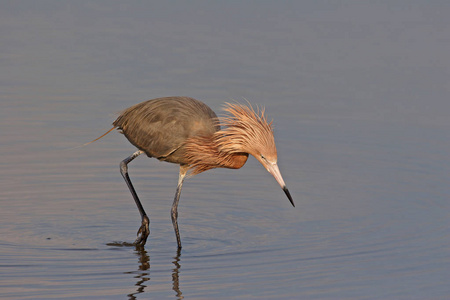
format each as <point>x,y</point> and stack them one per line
<point>143,232</point>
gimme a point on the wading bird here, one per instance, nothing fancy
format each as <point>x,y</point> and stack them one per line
<point>187,132</point>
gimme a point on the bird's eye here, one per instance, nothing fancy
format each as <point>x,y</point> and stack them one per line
<point>262,156</point>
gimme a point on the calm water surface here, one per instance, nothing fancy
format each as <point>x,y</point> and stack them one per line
<point>371,219</point>
<point>365,158</point>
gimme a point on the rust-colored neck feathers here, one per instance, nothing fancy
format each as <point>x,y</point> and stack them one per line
<point>245,132</point>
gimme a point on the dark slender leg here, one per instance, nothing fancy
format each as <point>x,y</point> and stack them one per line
<point>144,230</point>
<point>174,211</point>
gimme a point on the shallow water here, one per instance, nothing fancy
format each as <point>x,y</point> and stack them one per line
<point>369,175</point>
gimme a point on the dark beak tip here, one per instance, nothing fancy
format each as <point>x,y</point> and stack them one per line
<point>286,191</point>
<point>292,202</point>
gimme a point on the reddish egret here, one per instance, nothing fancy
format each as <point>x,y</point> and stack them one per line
<point>186,131</point>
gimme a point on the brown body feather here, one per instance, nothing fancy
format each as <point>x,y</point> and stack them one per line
<point>161,127</point>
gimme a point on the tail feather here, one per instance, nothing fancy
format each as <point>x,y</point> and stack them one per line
<point>85,144</point>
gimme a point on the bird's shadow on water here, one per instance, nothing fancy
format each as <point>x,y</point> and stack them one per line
<point>142,273</point>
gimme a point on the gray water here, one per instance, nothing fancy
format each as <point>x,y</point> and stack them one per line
<point>359,94</point>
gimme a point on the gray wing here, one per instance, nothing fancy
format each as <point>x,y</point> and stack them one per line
<point>159,127</point>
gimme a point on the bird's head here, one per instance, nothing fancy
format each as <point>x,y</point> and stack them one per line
<point>249,131</point>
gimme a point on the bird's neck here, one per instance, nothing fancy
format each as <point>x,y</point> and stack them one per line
<point>233,160</point>
<point>202,154</point>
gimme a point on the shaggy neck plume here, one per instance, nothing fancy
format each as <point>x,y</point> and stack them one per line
<point>245,132</point>
<point>203,154</point>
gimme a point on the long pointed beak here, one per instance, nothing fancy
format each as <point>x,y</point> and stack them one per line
<point>275,171</point>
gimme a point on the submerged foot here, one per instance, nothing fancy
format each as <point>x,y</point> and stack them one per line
<point>143,232</point>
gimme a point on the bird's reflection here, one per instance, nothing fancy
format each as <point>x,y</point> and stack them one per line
<point>175,275</point>
<point>143,273</point>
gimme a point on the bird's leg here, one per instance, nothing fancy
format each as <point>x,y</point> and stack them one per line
<point>174,211</point>
<point>144,230</point>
